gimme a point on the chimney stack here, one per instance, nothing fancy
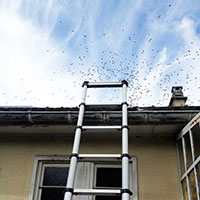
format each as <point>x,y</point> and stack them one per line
<point>177,98</point>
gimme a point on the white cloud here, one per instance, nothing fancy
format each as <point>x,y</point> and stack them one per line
<point>28,61</point>
<point>35,71</point>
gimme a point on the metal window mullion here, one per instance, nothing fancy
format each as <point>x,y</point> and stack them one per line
<point>186,173</point>
<point>190,168</point>
<point>197,184</point>
<point>77,138</point>
<point>185,163</point>
<point>189,126</point>
<point>184,154</point>
<point>193,157</point>
<point>192,145</point>
<point>125,160</point>
<point>196,161</point>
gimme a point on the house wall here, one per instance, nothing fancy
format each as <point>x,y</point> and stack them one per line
<point>156,159</point>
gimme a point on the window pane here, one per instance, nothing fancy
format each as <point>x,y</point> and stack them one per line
<point>185,192</point>
<point>108,198</point>
<point>188,150</point>
<point>180,149</point>
<point>56,176</point>
<point>198,172</point>
<point>52,194</point>
<point>193,186</point>
<point>109,177</point>
<point>196,140</point>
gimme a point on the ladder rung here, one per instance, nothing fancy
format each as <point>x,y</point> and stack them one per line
<point>104,84</point>
<point>103,156</point>
<point>96,192</point>
<point>100,127</point>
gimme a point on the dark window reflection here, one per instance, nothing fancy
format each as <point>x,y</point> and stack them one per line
<point>109,177</point>
<point>188,150</point>
<point>55,176</point>
<point>185,191</point>
<point>108,198</point>
<point>198,173</point>
<point>193,186</point>
<point>196,140</point>
<point>52,194</point>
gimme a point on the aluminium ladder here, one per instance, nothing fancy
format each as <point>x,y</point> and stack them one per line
<point>125,191</point>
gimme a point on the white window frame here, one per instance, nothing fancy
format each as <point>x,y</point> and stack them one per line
<point>95,174</point>
<point>181,137</point>
<point>64,165</point>
<point>57,160</point>
<point>38,172</point>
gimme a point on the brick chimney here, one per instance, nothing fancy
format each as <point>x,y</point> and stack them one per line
<point>177,98</point>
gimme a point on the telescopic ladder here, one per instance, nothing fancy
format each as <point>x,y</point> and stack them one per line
<point>125,191</point>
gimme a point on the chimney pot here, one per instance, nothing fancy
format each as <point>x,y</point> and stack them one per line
<point>177,98</point>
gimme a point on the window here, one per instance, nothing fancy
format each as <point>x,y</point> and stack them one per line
<point>188,144</point>
<point>196,139</point>
<point>53,181</point>
<point>108,177</point>
<point>50,176</point>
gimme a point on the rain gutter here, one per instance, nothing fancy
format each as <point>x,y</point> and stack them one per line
<point>30,117</point>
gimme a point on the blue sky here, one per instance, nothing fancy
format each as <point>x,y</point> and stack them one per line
<point>48,48</point>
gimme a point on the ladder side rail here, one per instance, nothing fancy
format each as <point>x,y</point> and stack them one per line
<point>73,161</point>
<point>125,159</point>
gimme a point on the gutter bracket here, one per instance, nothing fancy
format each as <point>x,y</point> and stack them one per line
<point>30,117</point>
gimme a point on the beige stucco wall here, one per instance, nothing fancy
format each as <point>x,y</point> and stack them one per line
<point>157,163</point>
